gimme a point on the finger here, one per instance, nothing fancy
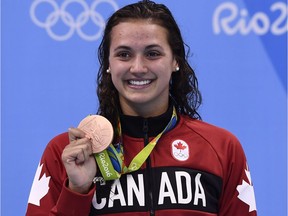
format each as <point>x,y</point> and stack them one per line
<point>75,133</point>
<point>76,155</point>
<point>79,150</point>
<point>81,155</point>
<point>80,141</point>
<point>86,148</point>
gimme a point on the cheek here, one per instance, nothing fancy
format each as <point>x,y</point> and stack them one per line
<point>118,71</point>
<point>116,79</point>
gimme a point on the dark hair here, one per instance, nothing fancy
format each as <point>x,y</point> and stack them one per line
<point>184,91</point>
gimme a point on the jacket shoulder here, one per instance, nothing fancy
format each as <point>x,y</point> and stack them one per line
<point>56,146</point>
<point>213,134</point>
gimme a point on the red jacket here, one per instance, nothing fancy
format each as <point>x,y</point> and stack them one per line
<point>195,169</point>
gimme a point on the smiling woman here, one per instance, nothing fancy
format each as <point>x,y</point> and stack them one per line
<point>141,63</point>
<point>163,160</point>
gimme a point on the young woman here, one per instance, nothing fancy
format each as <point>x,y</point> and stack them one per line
<point>169,161</point>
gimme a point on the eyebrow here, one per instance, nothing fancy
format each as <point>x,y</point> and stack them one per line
<point>123,47</point>
<point>154,46</point>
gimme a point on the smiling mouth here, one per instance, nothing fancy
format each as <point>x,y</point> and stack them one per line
<point>139,82</point>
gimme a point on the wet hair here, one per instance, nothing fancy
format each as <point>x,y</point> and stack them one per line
<point>184,93</point>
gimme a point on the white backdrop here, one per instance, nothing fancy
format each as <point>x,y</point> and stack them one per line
<point>48,82</point>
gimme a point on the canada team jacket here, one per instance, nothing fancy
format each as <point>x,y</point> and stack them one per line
<point>196,169</point>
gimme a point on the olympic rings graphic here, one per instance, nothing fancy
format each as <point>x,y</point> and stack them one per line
<point>180,154</point>
<point>74,24</point>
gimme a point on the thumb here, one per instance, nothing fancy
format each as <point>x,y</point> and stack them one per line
<point>75,133</point>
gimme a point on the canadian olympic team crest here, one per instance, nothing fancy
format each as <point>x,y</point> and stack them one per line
<point>62,19</point>
<point>180,150</point>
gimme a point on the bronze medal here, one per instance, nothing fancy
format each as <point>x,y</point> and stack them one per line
<point>99,129</point>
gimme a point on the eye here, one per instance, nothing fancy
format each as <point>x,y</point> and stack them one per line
<point>123,55</point>
<point>153,54</point>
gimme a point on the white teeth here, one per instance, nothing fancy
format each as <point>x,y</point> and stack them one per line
<point>139,82</point>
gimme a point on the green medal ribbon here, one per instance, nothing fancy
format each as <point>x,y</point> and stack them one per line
<point>111,161</point>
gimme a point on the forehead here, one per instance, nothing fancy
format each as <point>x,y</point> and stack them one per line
<point>139,31</point>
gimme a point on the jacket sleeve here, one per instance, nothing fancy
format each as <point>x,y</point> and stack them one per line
<point>49,194</point>
<point>238,197</point>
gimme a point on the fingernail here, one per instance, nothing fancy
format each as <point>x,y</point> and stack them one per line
<point>88,137</point>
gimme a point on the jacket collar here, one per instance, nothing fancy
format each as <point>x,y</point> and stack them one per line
<point>134,125</point>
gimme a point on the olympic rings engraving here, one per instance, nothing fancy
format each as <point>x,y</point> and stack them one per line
<point>75,24</point>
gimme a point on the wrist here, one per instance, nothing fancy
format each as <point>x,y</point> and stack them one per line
<point>83,189</point>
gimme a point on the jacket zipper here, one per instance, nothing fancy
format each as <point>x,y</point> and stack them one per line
<point>149,171</point>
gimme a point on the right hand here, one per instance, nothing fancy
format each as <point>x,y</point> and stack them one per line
<point>79,161</point>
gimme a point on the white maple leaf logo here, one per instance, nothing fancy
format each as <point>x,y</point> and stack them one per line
<point>246,192</point>
<point>39,188</point>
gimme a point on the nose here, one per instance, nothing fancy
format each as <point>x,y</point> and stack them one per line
<point>138,65</point>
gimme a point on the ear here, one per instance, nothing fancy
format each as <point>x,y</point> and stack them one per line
<point>176,66</point>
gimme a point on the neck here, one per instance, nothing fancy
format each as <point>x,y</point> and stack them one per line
<point>144,111</point>
<point>133,125</point>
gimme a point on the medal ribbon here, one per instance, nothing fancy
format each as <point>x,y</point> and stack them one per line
<point>111,161</point>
